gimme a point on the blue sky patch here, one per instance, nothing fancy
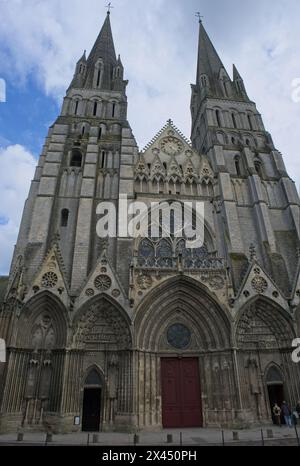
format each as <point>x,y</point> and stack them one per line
<point>26,116</point>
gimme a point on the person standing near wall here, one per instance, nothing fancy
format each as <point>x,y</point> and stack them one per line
<point>286,411</point>
<point>277,414</point>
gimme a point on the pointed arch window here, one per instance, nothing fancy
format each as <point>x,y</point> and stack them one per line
<point>98,77</point>
<point>218,117</point>
<point>93,378</point>
<point>118,72</point>
<point>113,110</point>
<point>234,120</point>
<point>146,248</point>
<point>64,218</point>
<point>204,81</point>
<point>103,161</point>
<point>76,159</point>
<point>274,376</point>
<point>258,168</point>
<point>250,122</point>
<point>76,107</point>
<point>237,162</point>
<point>95,108</point>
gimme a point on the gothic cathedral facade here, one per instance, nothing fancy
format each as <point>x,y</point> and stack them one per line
<point>126,334</point>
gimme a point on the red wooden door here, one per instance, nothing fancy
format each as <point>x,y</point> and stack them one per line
<point>181,394</point>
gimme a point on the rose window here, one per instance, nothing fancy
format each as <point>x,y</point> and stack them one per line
<point>102,282</point>
<point>49,280</point>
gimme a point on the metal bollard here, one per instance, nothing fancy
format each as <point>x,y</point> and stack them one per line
<point>48,438</point>
<point>223,439</point>
<point>136,439</point>
<point>169,438</point>
<point>297,435</point>
<point>95,438</point>
<point>270,433</point>
<point>235,436</point>
<point>20,437</point>
<point>262,438</point>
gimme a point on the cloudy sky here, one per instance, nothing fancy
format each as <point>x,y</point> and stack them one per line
<point>41,40</point>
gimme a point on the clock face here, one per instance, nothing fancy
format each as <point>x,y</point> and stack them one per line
<point>171,146</point>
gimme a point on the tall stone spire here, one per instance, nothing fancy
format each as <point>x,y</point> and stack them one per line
<point>209,62</point>
<point>101,62</point>
<point>103,57</point>
<point>104,46</point>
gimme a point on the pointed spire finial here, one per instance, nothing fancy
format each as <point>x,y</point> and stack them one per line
<point>199,16</point>
<point>109,7</point>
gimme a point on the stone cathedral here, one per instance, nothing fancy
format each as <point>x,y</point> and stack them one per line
<point>128,334</point>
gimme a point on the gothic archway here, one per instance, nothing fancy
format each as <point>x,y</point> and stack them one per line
<point>264,335</point>
<point>277,325</point>
<point>185,299</point>
<point>36,362</point>
<point>92,399</point>
<point>43,323</point>
<point>102,334</point>
<point>180,321</point>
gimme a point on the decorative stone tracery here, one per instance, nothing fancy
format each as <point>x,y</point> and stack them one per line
<point>102,324</point>
<point>102,282</point>
<point>49,280</point>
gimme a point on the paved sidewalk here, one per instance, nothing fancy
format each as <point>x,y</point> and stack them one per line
<point>190,437</point>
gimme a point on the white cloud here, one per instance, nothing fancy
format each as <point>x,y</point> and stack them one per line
<point>2,90</point>
<point>17,169</point>
<point>158,43</point>
<point>157,40</point>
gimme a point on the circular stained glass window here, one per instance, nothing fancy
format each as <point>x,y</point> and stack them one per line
<point>179,336</point>
<point>49,280</point>
<point>102,282</point>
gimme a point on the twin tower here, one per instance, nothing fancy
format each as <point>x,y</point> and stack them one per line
<point>131,333</point>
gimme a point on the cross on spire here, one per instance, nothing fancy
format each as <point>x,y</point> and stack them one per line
<point>109,7</point>
<point>199,16</point>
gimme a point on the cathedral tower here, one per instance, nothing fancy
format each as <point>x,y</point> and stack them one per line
<point>124,333</point>
<point>253,187</point>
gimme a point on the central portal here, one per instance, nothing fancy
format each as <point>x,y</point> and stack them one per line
<point>181,393</point>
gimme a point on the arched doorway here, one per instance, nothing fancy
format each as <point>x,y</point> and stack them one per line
<point>275,387</point>
<point>92,402</point>
<point>183,341</point>
<point>102,328</point>
<point>264,331</point>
